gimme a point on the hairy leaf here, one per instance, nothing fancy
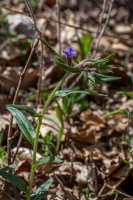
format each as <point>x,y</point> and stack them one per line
<point>120,111</point>
<point>42,190</point>
<point>52,50</point>
<point>129,94</point>
<point>25,126</point>
<point>47,159</point>
<point>15,180</point>
<point>63,93</point>
<point>10,167</point>
<point>68,68</point>
<point>25,108</point>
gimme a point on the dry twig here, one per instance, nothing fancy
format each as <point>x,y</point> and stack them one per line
<point>34,46</point>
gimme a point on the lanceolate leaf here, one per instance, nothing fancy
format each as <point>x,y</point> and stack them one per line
<point>52,51</point>
<point>120,111</point>
<point>100,62</point>
<point>105,78</point>
<point>25,108</point>
<point>92,80</point>
<point>48,159</point>
<point>109,57</point>
<point>129,94</point>
<point>42,190</point>
<point>1,135</point>
<point>63,93</point>
<point>25,126</point>
<point>10,167</point>
<point>51,120</point>
<point>59,113</point>
<point>105,69</point>
<point>66,67</point>
<point>2,149</point>
<point>15,180</point>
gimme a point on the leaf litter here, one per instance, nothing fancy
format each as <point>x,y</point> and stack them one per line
<point>95,150</point>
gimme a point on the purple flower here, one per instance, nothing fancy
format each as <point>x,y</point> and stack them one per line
<point>69,53</point>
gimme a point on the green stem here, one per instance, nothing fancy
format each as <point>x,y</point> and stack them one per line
<point>59,138</point>
<point>38,131</point>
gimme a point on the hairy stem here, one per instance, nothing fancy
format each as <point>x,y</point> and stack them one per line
<point>38,131</point>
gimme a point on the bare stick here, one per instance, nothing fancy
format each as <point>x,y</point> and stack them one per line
<point>100,23</point>
<point>103,29</point>
<point>116,190</point>
<point>41,54</point>
<point>32,15</point>
<point>101,16</point>
<point>18,145</point>
<point>6,193</point>
<point>39,85</point>
<point>58,27</point>
<point>35,44</point>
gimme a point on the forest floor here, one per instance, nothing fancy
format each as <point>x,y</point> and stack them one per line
<point>96,150</point>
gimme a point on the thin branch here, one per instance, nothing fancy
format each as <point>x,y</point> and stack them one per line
<point>41,52</point>
<point>58,27</point>
<point>40,58</point>
<point>32,15</point>
<point>9,142</point>
<point>6,193</point>
<point>103,29</point>
<point>18,145</point>
<point>118,191</point>
<point>99,26</point>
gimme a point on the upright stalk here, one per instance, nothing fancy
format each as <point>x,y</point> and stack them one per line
<point>59,138</point>
<point>38,131</point>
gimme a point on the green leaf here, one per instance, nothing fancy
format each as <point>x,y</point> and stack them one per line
<point>68,104</point>
<point>10,167</point>
<point>42,190</point>
<point>68,68</point>
<point>48,137</point>
<point>84,44</point>
<point>63,93</point>
<point>25,126</point>
<point>48,159</point>
<point>25,108</point>
<point>109,57</point>
<point>52,50</point>
<point>1,135</point>
<point>2,149</point>
<point>92,80</point>
<point>105,69</point>
<point>59,114</point>
<point>129,94</point>
<point>99,62</point>
<point>105,78</point>
<point>51,120</point>
<point>15,180</point>
<point>120,111</point>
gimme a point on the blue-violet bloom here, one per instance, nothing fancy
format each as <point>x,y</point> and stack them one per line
<point>69,53</point>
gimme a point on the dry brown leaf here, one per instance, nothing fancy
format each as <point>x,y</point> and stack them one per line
<point>122,171</point>
<point>10,78</point>
<point>3,103</point>
<point>120,46</point>
<point>86,136</point>
<point>123,29</point>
